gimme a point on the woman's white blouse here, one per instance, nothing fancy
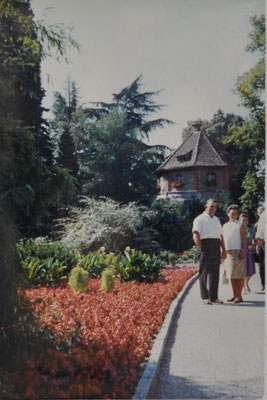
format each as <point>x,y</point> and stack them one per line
<point>231,235</point>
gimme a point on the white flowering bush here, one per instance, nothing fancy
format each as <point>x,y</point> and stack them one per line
<point>103,222</point>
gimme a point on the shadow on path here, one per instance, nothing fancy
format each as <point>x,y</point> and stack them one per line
<point>183,388</point>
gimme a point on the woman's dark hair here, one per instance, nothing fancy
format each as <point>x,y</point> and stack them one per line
<point>242,215</point>
<point>233,207</point>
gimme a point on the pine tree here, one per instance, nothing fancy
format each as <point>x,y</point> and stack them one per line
<point>64,109</point>
<point>137,105</point>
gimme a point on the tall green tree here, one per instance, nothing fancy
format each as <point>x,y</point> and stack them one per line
<point>113,161</point>
<point>64,109</point>
<point>138,106</point>
<point>29,182</point>
<point>250,137</point>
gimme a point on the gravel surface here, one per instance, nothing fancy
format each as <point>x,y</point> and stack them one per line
<point>215,351</point>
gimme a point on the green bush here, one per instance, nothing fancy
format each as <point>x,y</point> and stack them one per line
<point>96,262</point>
<point>188,256</point>
<point>135,265</point>
<point>78,279</point>
<point>107,280</point>
<point>45,271</point>
<point>103,222</point>
<point>45,262</point>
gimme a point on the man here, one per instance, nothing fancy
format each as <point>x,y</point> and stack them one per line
<point>207,235</point>
<point>260,239</point>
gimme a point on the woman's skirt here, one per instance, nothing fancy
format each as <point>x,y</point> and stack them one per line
<point>234,266</point>
<point>249,263</point>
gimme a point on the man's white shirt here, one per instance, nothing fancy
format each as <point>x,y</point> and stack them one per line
<point>208,227</point>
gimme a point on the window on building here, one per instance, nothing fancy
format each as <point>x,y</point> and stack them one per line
<point>211,178</point>
<point>179,177</point>
<point>185,157</point>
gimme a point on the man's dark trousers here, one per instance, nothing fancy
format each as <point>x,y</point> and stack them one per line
<point>209,268</point>
<point>261,256</point>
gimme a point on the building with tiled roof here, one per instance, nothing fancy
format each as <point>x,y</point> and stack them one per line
<point>199,168</point>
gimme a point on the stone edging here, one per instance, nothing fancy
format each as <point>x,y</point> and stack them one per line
<point>149,377</point>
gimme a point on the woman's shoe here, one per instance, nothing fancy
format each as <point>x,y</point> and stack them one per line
<point>232,299</point>
<point>238,300</point>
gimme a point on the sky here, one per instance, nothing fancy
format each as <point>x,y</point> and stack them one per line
<point>192,51</point>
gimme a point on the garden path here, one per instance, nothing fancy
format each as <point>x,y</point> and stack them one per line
<point>215,351</point>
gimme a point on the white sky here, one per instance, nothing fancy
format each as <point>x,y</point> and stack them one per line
<point>192,49</point>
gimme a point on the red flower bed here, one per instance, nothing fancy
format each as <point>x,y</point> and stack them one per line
<point>111,335</point>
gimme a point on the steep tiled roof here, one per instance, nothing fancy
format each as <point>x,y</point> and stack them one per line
<point>197,150</point>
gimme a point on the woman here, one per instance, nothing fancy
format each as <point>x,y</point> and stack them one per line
<point>234,234</point>
<point>249,254</point>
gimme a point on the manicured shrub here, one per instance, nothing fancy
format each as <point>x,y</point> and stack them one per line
<point>107,280</point>
<point>172,258</point>
<point>78,279</point>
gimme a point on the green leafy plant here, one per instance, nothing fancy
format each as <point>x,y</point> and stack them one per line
<point>45,271</point>
<point>45,262</point>
<point>188,256</point>
<point>96,262</point>
<point>107,280</point>
<point>78,279</point>
<point>135,265</point>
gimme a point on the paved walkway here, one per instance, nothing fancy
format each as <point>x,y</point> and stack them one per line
<point>215,351</point>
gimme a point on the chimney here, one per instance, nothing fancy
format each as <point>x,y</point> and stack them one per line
<point>196,126</point>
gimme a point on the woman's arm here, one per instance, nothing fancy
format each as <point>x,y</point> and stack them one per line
<point>223,248</point>
<point>243,241</point>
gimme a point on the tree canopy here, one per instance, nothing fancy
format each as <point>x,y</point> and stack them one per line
<point>112,158</point>
<point>250,137</point>
<point>30,183</point>
<point>137,105</point>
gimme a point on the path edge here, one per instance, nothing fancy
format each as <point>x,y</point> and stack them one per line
<point>148,379</point>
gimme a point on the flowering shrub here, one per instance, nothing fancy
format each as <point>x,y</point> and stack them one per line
<point>176,185</point>
<point>110,336</point>
<point>101,222</point>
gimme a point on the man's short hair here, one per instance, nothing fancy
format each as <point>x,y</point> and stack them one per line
<point>210,201</point>
<point>243,215</point>
<point>233,207</point>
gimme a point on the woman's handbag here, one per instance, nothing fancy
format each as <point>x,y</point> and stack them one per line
<point>256,257</point>
<point>225,281</point>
